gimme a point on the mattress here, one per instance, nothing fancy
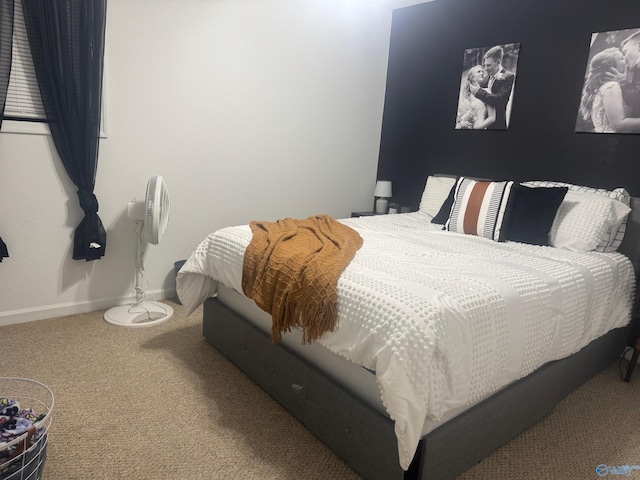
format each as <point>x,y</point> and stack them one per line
<point>444,319</point>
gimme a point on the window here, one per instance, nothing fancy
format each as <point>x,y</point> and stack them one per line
<point>24,112</point>
<point>24,106</point>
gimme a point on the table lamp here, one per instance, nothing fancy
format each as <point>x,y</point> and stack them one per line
<point>383,192</point>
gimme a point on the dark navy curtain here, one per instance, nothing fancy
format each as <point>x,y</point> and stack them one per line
<point>66,38</point>
<point>6,42</point>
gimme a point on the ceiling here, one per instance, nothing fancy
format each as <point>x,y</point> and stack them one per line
<point>393,4</point>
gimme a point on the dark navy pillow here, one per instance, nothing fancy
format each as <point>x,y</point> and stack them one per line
<point>531,212</point>
<point>443,214</point>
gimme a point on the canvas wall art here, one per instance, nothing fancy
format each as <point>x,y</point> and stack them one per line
<point>486,87</point>
<point>610,100</point>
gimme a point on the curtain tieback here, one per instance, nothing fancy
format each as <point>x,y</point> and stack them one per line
<point>88,201</point>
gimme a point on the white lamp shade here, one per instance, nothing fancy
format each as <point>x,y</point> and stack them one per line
<point>383,189</point>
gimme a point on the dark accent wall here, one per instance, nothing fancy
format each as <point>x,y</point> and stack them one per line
<point>423,82</point>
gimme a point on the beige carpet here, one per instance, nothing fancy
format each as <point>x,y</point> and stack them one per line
<point>161,403</point>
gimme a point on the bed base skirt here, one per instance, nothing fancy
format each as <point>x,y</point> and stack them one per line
<point>364,437</point>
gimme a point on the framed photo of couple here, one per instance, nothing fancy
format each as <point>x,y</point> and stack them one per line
<point>610,97</point>
<point>486,87</point>
<point>610,100</point>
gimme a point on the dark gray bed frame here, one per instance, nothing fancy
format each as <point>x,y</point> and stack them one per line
<point>365,438</point>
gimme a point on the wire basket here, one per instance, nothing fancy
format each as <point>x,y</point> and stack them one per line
<point>23,457</point>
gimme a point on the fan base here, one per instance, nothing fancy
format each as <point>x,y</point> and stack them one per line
<point>143,314</point>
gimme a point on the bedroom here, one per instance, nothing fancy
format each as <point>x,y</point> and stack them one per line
<point>258,88</point>
<point>207,88</point>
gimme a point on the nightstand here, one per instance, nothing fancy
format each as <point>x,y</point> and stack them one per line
<point>363,214</point>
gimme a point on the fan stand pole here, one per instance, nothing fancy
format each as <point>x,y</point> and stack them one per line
<point>140,313</point>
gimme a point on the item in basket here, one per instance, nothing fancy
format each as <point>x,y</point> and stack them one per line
<point>8,409</point>
<point>23,456</point>
<point>29,465</point>
<point>14,428</point>
<point>15,422</point>
<point>31,415</point>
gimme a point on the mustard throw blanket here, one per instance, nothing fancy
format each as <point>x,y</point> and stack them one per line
<point>291,269</point>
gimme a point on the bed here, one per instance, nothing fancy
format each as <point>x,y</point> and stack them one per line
<point>432,369</point>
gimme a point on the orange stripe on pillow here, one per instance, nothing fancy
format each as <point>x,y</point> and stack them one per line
<point>472,212</point>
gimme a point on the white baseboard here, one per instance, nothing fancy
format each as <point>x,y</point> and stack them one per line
<point>72,308</point>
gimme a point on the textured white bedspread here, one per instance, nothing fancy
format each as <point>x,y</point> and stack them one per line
<point>444,318</point>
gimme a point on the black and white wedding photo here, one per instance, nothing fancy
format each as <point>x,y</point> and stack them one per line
<point>610,100</point>
<point>486,87</point>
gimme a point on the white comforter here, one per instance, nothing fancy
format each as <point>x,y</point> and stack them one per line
<point>443,318</point>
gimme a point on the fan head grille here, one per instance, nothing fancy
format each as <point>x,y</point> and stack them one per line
<point>157,208</point>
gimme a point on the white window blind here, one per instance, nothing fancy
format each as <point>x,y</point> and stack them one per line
<point>23,96</point>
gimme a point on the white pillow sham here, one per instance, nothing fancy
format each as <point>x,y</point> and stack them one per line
<point>435,193</point>
<point>584,220</point>
<point>612,238</point>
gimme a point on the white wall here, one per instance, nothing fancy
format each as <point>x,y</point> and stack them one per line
<point>250,109</point>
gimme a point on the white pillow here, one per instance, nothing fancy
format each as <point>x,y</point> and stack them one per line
<point>584,220</point>
<point>613,237</point>
<point>435,193</point>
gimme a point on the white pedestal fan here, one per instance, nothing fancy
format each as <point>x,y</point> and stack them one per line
<point>151,217</point>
